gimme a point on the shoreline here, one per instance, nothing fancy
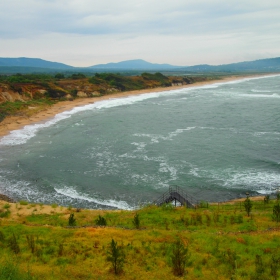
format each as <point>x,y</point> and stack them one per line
<point>18,122</point>
<point>11,123</point>
<point>5,198</point>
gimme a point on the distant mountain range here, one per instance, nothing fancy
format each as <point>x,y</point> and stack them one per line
<point>32,62</point>
<point>265,65</point>
<point>27,65</point>
<point>136,64</point>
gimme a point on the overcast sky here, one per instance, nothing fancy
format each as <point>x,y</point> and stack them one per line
<point>178,32</point>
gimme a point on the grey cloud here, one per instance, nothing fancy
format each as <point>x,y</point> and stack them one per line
<point>129,17</point>
<point>139,27</point>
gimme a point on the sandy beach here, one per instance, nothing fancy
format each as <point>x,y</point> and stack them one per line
<point>17,122</point>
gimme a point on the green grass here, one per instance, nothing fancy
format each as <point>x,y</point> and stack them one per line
<point>221,242</point>
<point>17,107</point>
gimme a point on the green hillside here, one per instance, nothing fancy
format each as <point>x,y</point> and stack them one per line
<point>221,241</point>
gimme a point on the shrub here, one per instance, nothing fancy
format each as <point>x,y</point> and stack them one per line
<point>216,217</point>
<point>31,243</point>
<point>7,206</point>
<point>23,202</point>
<point>77,76</point>
<point>116,256</point>
<point>167,206</point>
<point>5,214</point>
<point>179,258</point>
<point>13,244</point>
<point>59,76</point>
<point>60,249</point>
<point>266,199</point>
<point>136,221</point>
<point>248,205</point>
<point>71,220</point>
<point>276,213</point>
<point>101,221</point>
<point>274,266</point>
<point>2,236</point>
<point>203,204</point>
<point>260,268</point>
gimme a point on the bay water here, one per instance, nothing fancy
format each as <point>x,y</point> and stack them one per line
<point>216,142</point>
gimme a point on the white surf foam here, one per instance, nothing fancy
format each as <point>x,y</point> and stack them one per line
<point>269,191</point>
<point>258,90</point>
<point>275,95</point>
<point>155,138</point>
<point>71,192</point>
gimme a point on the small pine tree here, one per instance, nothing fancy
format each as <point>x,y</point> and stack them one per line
<point>260,268</point>
<point>136,221</point>
<point>274,266</point>
<point>276,213</point>
<point>71,220</point>
<point>116,256</point>
<point>248,205</point>
<point>31,243</point>
<point>13,244</point>
<point>179,258</point>
<point>266,199</point>
<point>101,221</point>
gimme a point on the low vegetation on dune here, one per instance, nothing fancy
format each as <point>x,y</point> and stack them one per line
<point>21,92</point>
<point>221,241</point>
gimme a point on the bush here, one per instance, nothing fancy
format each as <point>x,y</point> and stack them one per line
<point>274,266</point>
<point>77,76</point>
<point>23,202</point>
<point>136,221</point>
<point>59,76</point>
<point>101,221</point>
<point>116,256</point>
<point>179,258</point>
<point>31,243</point>
<point>276,213</point>
<point>2,236</point>
<point>5,214</point>
<point>167,206</point>
<point>266,199</point>
<point>248,205</point>
<point>71,220</point>
<point>7,206</point>
<point>13,244</point>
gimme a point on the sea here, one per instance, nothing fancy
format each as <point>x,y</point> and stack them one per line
<point>217,142</point>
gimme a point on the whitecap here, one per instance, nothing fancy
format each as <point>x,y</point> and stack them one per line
<point>72,193</point>
<point>257,90</point>
<point>259,95</point>
<point>269,191</point>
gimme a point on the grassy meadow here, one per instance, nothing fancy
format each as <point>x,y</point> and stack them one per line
<point>218,241</point>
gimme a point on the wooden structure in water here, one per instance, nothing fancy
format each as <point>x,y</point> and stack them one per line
<point>175,193</point>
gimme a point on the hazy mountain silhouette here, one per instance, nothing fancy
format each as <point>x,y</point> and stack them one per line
<point>136,64</point>
<point>32,62</point>
<point>25,64</point>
